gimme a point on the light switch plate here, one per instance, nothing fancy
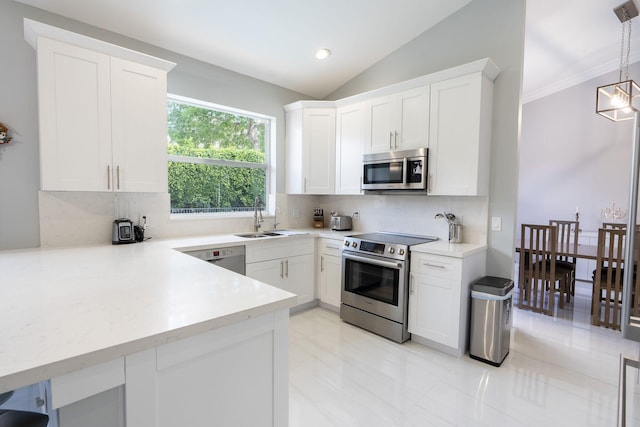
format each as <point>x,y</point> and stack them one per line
<point>496,223</point>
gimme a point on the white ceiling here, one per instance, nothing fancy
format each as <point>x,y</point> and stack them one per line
<point>571,41</point>
<point>566,42</point>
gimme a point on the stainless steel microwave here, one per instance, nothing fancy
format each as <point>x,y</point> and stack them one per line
<point>395,171</point>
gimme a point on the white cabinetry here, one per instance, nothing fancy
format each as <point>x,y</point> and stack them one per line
<point>439,293</point>
<point>349,148</point>
<point>285,263</point>
<point>397,122</point>
<point>103,122</point>
<point>330,271</point>
<point>209,378</point>
<point>460,136</point>
<point>311,147</point>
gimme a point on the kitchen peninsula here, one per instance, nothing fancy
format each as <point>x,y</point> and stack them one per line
<point>177,339</point>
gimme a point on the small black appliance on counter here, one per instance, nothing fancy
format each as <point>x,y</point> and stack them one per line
<point>123,232</point>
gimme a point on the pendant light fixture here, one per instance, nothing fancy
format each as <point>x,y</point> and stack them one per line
<point>619,101</point>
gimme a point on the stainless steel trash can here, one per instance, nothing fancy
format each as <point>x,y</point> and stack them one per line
<point>491,318</point>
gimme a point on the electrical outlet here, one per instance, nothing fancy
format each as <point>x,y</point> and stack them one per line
<point>356,215</point>
<point>496,223</point>
<point>296,212</point>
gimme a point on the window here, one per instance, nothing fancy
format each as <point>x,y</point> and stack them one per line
<point>218,160</point>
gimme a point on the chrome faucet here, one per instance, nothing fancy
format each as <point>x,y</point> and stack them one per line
<point>257,215</point>
<point>275,218</point>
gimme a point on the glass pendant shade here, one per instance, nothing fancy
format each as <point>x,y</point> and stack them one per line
<point>618,101</point>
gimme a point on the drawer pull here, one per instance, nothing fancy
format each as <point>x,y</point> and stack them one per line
<point>332,247</point>
<point>428,264</point>
<point>411,283</point>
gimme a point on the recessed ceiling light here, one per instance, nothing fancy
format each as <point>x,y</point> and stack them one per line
<point>323,53</point>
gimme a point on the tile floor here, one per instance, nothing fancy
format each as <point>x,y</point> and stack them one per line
<point>561,371</point>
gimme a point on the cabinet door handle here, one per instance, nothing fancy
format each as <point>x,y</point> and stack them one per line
<point>395,139</point>
<point>108,177</point>
<point>304,190</point>
<point>321,264</point>
<point>118,175</point>
<point>390,138</point>
<point>429,183</point>
<point>411,284</point>
<point>428,264</point>
<point>282,269</point>
<point>361,184</point>
<point>286,268</point>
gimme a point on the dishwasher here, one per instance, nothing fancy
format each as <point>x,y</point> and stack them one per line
<point>230,257</point>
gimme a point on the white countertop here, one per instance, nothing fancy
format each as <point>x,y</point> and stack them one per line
<point>64,309</point>
<point>68,308</point>
<point>444,248</point>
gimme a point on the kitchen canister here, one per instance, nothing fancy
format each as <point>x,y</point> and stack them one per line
<point>455,233</point>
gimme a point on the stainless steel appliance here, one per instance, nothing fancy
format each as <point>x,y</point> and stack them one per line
<point>231,257</point>
<point>122,232</point>
<point>341,223</point>
<point>395,171</point>
<point>375,282</point>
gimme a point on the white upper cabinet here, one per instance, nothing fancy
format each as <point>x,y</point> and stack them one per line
<point>103,120</point>
<point>349,148</point>
<point>311,148</point>
<point>399,121</point>
<point>139,126</point>
<point>75,117</point>
<point>460,136</point>
<point>448,112</point>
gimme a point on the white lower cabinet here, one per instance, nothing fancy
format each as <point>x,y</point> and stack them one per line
<point>286,263</point>
<point>232,376</point>
<point>329,271</point>
<point>439,295</point>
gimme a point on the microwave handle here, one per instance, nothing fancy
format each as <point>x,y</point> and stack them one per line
<point>405,172</point>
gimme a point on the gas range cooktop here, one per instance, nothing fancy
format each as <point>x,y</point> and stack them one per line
<point>385,244</point>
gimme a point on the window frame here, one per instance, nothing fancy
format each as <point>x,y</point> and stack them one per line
<point>266,166</point>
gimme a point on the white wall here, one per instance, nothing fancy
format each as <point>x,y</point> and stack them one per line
<point>571,157</point>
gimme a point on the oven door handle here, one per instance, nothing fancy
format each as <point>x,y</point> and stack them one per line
<point>388,264</point>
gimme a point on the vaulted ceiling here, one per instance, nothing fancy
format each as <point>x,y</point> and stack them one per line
<point>565,42</point>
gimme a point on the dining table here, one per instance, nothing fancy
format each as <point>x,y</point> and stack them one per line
<point>589,252</point>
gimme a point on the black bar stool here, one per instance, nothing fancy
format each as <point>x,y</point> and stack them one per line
<point>13,418</point>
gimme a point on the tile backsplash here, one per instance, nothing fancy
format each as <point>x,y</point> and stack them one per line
<point>85,218</point>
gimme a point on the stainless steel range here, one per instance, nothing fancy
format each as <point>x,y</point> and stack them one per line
<point>375,281</point>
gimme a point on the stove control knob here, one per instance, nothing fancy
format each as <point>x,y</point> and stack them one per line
<point>392,250</point>
<point>401,252</point>
<point>346,243</point>
<point>354,245</point>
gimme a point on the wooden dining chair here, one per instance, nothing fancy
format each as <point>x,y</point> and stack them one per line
<point>614,225</point>
<point>538,273</point>
<point>568,243</point>
<point>607,278</point>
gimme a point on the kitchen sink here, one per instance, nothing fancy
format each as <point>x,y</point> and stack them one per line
<point>258,234</point>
